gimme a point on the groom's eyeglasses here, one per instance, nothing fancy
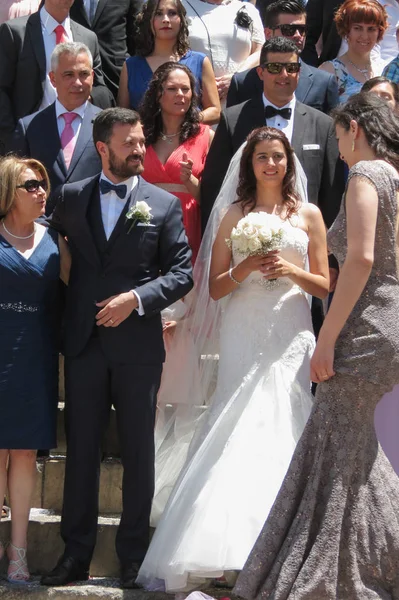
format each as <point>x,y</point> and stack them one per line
<point>290,30</point>
<point>32,185</point>
<point>275,68</point>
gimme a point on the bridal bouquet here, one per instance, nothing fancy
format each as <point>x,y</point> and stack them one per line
<point>257,233</point>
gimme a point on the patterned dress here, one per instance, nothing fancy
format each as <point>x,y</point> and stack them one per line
<point>333,532</point>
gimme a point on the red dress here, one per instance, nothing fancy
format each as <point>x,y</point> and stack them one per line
<point>155,172</point>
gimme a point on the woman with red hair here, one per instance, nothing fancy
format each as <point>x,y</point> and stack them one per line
<point>362,23</point>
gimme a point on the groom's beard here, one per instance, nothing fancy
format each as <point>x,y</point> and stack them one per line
<point>125,168</point>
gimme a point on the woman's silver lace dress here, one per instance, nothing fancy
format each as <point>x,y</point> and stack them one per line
<point>333,532</point>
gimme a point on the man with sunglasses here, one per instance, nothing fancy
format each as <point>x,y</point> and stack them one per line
<point>66,159</point>
<point>310,132</point>
<point>287,18</point>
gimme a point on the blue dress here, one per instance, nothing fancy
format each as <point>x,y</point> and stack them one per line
<point>29,326</point>
<point>139,74</point>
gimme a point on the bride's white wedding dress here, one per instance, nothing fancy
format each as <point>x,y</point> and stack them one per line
<point>241,451</point>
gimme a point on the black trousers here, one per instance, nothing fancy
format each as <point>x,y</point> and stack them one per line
<point>92,384</point>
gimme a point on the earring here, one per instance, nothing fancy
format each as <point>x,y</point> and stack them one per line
<point>353,145</point>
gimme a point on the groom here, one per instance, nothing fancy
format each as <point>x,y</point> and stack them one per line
<point>124,272</point>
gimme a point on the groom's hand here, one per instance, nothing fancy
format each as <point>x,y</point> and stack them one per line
<point>116,309</point>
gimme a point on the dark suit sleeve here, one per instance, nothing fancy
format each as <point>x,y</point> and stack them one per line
<point>332,180</point>
<point>56,218</point>
<point>232,94</point>
<point>314,10</point>
<point>332,98</point>
<point>19,144</point>
<point>100,94</point>
<point>217,163</point>
<point>8,62</point>
<point>176,279</point>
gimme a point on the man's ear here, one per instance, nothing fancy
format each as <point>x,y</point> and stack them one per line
<point>259,71</point>
<point>52,78</point>
<point>269,33</point>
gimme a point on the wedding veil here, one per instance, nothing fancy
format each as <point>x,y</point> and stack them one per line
<point>185,394</point>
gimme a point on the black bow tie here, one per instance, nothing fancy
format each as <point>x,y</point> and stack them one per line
<point>271,112</point>
<point>106,186</point>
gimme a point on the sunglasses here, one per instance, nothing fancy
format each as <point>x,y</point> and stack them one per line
<point>275,68</point>
<point>290,30</point>
<point>32,185</point>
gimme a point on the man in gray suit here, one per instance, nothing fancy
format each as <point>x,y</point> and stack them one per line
<point>26,45</point>
<point>72,76</point>
<point>287,18</point>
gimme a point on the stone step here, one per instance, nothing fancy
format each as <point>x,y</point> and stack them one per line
<point>50,485</point>
<point>45,545</point>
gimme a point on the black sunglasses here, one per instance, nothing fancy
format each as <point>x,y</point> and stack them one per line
<point>275,68</point>
<point>32,185</point>
<point>290,30</point>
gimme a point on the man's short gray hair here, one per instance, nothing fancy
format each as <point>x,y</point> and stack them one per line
<point>71,48</point>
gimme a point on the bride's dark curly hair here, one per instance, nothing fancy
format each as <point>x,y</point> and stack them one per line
<point>145,39</point>
<point>150,109</point>
<point>247,183</point>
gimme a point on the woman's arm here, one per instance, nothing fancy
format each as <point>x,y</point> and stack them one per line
<point>210,97</point>
<point>252,60</point>
<point>65,259</point>
<point>316,281</point>
<point>220,282</point>
<point>123,92</point>
<point>361,213</point>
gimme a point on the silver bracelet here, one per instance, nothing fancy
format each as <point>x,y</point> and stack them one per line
<point>232,276</point>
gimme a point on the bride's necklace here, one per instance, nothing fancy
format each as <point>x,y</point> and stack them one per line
<point>19,237</point>
<point>364,72</point>
<point>168,137</point>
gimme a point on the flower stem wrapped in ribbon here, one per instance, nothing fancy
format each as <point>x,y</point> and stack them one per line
<point>139,213</point>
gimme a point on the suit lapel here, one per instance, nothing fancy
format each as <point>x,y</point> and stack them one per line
<point>85,134</point>
<point>120,226</point>
<point>83,237</point>
<point>299,129</point>
<point>100,7</point>
<point>305,83</point>
<point>34,31</point>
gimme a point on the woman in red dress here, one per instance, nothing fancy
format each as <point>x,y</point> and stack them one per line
<point>177,143</point>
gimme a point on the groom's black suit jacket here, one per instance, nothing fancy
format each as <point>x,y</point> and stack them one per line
<point>154,260</point>
<point>313,141</point>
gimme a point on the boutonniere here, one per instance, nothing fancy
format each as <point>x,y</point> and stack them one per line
<point>139,213</point>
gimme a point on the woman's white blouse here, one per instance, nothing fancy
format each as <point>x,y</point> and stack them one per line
<point>230,44</point>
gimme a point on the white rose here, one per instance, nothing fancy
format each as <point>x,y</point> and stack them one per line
<point>143,208</point>
<point>250,231</point>
<point>265,234</point>
<point>254,244</point>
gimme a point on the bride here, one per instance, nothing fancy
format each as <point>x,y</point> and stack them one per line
<point>244,442</point>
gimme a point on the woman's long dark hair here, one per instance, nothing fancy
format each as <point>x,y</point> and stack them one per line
<point>150,109</point>
<point>246,191</point>
<point>377,120</point>
<point>145,40</point>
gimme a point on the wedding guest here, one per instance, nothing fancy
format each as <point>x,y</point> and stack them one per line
<point>32,258</point>
<point>333,531</point>
<point>26,45</point>
<point>114,25</point>
<point>229,33</point>
<point>177,143</point>
<point>67,150</point>
<point>162,37</point>
<point>11,9</point>
<point>362,23</point>
<point>262,398</point>
<point>287,18</point>
<point>385,89</point>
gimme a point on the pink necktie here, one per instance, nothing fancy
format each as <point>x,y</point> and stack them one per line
<point>68,140</point>
<point>60,36</point>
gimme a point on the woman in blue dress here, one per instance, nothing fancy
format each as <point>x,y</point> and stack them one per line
<point>162,36</point>
<point>32,259</point>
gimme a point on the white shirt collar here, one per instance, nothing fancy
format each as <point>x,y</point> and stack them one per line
<point>60,109</point>
<point>49,23</point>
<point>129,183</point>
<point>291,104</point>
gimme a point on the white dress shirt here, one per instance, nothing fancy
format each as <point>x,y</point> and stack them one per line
<point>111,208</point>
<point>285,125</point>
<point>48,26</point>
<point>76,123</point>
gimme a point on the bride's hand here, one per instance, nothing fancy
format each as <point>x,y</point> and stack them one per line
<point>250,264</point>
<point>321,364</point>
<point>273,266</point>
